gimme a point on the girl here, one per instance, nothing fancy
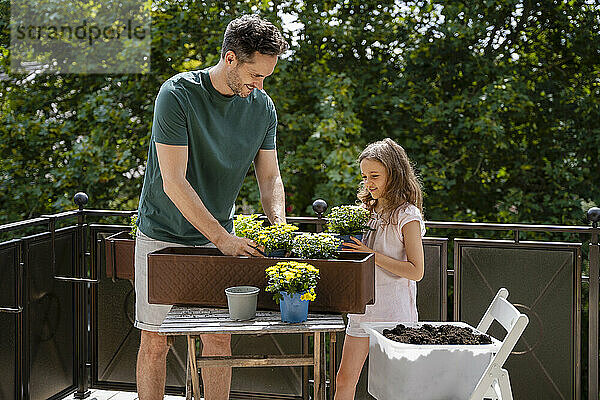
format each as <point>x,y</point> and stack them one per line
<point>391,191</point>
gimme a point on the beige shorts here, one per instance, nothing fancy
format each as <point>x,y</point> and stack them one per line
<point>354,329</point>
<point>148,317</point>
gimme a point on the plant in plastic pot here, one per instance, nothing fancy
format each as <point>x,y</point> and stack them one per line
<point>316,245</point>
<point>293,285</point>
<point>276,239</point>
<point>346,221</point>
<point>133,224</point>
<point>247,226</point>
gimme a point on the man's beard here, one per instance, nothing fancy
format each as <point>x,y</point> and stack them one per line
<point>235,83</point>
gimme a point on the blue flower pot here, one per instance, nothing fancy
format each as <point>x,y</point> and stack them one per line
<point>346,238</point>
<point>292,308</point>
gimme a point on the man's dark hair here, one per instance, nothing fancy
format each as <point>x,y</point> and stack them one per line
<point>250,33</point>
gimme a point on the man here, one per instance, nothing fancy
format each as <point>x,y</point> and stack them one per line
<point>208,127</point>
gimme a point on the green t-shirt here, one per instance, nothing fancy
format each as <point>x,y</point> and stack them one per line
<point>223,135</point>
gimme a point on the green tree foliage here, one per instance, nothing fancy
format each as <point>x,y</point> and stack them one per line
<point>497,102</point>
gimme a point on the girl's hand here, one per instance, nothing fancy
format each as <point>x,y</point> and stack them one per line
<point>357,246</point>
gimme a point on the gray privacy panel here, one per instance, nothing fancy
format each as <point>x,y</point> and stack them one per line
<point>50,314</point>
<point>8,344</point>
<point>8,274</point>
<point>432,289</point>
<point>544,282</point>
<point>119,341</point>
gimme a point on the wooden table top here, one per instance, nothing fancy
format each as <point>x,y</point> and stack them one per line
<point>193,320</point>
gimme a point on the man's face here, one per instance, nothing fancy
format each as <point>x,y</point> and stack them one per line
<point>242,78</point>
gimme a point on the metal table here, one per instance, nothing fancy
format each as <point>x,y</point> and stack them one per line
<point>193,321</point>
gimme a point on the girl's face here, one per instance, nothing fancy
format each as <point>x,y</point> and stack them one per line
<point>374,176</point>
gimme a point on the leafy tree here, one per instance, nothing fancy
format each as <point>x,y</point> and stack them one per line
<point>496,102</point>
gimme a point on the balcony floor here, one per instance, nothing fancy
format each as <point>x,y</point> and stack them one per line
<point>112,395</point>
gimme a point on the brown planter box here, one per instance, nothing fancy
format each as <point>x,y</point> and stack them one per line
<point>188,275</point>
<point>120,261</point>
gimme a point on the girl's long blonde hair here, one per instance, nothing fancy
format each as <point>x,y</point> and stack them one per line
<point>403,185</point>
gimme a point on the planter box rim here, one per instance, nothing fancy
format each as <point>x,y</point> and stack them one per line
<point>117,236</point>
<point>180,251</point>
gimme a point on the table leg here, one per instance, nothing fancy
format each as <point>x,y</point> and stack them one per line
<point>323,371</point>
<point>193,366</point>
<point>317,352</point>
<point>188,379</point>
<point>305,370</point>
<point>332,364</point>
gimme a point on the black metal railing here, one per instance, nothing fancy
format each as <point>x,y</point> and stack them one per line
<point>52,286</point>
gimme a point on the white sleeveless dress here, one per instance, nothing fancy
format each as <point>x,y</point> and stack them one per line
<point>395,296</point>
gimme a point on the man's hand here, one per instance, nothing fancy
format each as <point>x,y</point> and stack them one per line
<point>235,246</point>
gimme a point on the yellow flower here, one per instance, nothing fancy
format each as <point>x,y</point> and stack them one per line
<point>310,295</point>
<point>271,270</point>
<point>289,275</point>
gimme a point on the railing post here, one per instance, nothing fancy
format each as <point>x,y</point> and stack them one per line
<point>319,206</point>
<point>83,391</point>
<point>593,216</point>
<point>22,343</point>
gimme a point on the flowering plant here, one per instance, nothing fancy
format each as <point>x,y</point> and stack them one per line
<point>276,237</point>
<point>133,225</point>
<point>247,226</point>
<point>315,245</point>
<point>292,277</point>
<point>347,220</point>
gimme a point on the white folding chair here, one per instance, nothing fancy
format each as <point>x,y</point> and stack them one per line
<point>494,383</point>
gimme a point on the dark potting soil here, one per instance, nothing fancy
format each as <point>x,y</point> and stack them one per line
<point>429,334</point>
